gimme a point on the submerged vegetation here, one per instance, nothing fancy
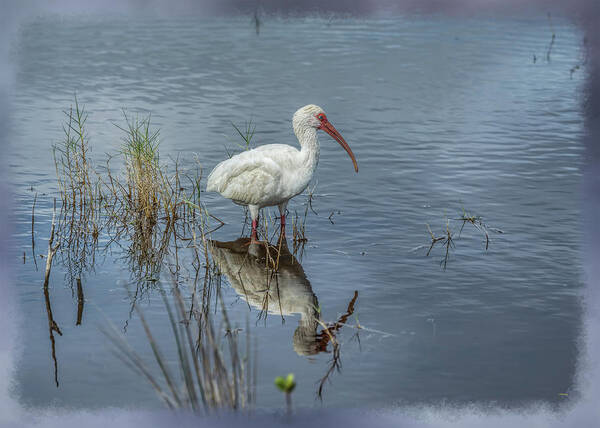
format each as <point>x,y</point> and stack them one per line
<point>143,202</point>
<point>211,378</point>
<point>448,238</point>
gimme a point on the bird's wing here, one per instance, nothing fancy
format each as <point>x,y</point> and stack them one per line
<point>249,177</point>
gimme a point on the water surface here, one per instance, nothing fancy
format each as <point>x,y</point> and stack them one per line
<point>441,114</point>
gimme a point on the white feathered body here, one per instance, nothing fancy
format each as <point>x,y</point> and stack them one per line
<point>268,175</point>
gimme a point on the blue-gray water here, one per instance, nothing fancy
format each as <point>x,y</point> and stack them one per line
<point>441,114</point>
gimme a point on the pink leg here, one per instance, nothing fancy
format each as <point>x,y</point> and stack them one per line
<point>254,209</point>
<point>282,208</point>
<point>254,237</point>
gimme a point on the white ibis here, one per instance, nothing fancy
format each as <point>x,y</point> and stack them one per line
<point>272,174</point>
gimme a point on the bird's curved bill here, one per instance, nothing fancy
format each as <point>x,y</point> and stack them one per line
<point>330,129</point>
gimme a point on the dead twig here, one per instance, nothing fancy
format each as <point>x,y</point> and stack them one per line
<point>478,223</point>
<point>447,239</point>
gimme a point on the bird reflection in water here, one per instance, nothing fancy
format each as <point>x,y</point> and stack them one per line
<point>271,279</point>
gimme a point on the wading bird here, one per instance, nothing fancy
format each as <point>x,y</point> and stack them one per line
<point>273,174</point>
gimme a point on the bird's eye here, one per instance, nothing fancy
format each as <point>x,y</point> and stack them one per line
<point>321,117</point>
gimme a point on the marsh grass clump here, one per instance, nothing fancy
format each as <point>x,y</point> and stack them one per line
<point>161,221</point>
<point>155,206</point>
<point>151,211</point>
<point>78,183</point>
<point>140,200</point>
<point>151,208</point>
<point>80,189</point>
<point>140,150</point>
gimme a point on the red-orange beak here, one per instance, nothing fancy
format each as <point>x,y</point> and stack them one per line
<point>330,129</point>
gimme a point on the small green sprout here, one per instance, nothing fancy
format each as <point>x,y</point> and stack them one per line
<point>286,385</point>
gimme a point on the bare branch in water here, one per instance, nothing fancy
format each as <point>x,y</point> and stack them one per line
<point>52,325</point>
<point>52,249</point>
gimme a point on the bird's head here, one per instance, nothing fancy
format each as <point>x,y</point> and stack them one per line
<point>312,116</point>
